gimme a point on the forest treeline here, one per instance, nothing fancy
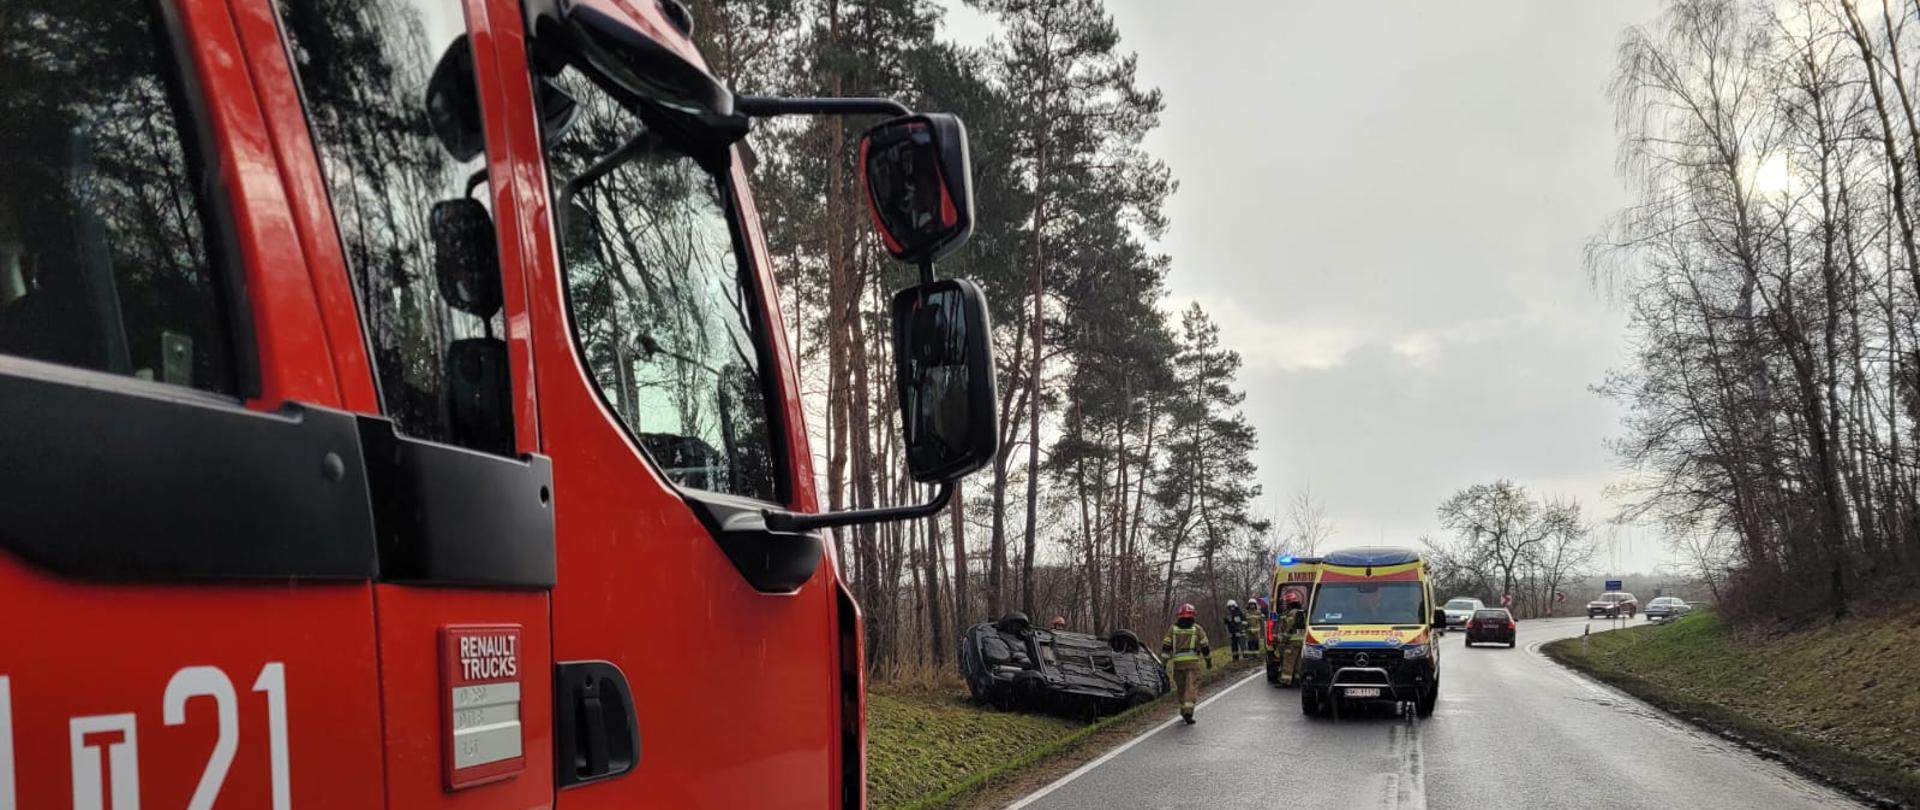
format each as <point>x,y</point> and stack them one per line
<point>1124,480</point>
<point>1771,267</point>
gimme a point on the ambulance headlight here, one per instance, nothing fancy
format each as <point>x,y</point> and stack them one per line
<point>1312,651</point>
<point>1414,651</point>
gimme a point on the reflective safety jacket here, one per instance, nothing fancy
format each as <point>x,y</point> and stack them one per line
<point>1293,623</point>
<point>1185,643</point>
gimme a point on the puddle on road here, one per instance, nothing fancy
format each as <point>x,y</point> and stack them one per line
<point>1406,788</point>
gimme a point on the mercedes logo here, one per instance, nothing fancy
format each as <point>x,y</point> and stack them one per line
<point>1360,660</point>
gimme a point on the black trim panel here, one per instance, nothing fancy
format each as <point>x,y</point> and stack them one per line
<point>451,516</point>
<point>121,479</point>
<point>772,560</point>
<point>113,478</point>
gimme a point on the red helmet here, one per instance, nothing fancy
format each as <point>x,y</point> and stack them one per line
<point>1059,621</point>
<point>1186,612</point>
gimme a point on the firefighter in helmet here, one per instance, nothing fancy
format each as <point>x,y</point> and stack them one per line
<point>1186,648</point>
<point>1256,625</point>
<point>1059,622</point>
<point>1290,634</point>
<point>1236,623</point>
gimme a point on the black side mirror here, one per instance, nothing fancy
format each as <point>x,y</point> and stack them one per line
<point>919,184</point>
<point>465,258</point>
<point>683,97</point>
<point>453,103</point>
<point>944,367</point>
<point>1439,618</point>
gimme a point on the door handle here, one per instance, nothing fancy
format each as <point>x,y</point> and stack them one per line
<point>596,732</point>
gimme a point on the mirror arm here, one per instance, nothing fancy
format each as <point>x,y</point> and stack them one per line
<point>764,106</point>
<point>784,521</point>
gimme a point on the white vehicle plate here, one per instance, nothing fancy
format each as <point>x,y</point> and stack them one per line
<point>1362,692</point>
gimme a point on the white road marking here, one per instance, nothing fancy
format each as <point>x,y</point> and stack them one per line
<point>1104,758</point>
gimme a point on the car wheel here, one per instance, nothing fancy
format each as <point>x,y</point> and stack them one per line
<point>1310,703</point>
<point>1124,641</point>
<point>1425,704</point>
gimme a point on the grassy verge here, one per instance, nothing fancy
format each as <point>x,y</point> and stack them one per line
<point>929,747</point>
<point>1840,702</point>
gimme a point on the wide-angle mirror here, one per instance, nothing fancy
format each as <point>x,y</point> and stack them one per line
<point>919,185</point>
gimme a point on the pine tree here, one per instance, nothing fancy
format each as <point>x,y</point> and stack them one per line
<point>1207,489</point>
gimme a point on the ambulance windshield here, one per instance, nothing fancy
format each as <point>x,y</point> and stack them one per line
<point>1368,603</point>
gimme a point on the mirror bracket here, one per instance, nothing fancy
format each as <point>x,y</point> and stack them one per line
<point>783,521</point>
<point>768,106</point>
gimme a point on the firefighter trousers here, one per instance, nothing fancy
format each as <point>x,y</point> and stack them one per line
<point>1289,658</point>
<point>1186,684</point>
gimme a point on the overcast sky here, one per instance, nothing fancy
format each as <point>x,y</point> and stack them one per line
<point>1384,205</point>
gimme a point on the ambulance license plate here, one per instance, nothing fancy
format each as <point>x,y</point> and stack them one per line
<point>1362,692</point>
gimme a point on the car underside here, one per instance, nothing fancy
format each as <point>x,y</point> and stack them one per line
<point>1011,664</point>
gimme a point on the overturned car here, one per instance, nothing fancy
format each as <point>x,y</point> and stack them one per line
<point>1012,664</point>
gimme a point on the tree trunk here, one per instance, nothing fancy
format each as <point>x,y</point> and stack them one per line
<point>962,599</point>
<point>936,622</point>
<point>836,307</point>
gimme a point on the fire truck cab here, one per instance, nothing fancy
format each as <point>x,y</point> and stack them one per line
<point>395,411</point>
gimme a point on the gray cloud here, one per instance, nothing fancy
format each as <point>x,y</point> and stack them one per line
<point>1385,206</point>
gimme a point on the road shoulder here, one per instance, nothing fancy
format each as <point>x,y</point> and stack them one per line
<point>1879,783</point>
<point>1003,786</point>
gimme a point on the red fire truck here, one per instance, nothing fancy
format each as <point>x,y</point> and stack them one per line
<point>395,412</point>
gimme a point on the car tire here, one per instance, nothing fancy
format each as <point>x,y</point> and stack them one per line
<point>1424,705</point>
<point>1015,622</point>
<point>1310,703</point>
<point>1124,641</point>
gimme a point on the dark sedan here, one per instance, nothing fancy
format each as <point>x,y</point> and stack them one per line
<point>1491,625</point>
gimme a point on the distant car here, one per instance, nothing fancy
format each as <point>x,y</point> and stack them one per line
<point>1493,625</point>
<point>1613,603</point>
<point>1459,609</point>
<point>1664,608</point>
<point>1012,664</point>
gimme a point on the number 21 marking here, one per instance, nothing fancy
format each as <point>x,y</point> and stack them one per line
<point>207,681</point>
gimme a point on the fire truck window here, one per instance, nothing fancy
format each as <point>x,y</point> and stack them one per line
<point>662,305</point>
<point>388,85</point>
<point>104,257</point>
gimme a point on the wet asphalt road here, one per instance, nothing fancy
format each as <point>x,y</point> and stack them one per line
<point>1512,730</point>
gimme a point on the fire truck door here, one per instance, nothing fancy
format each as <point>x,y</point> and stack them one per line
<point>409,216</point>
<point>186,542</point>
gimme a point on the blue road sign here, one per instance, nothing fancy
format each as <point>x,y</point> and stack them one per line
<point>1615,585</point>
